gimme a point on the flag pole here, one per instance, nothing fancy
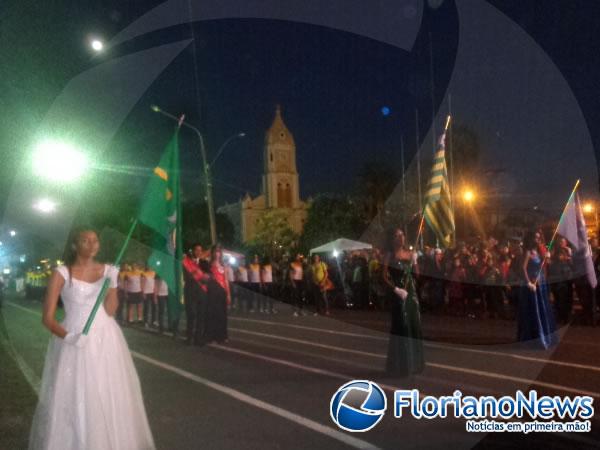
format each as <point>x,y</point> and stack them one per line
<point>106,283</point>
<point>562,214</point>
<point>551,244</point>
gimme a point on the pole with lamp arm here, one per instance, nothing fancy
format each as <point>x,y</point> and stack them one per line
<point>205,166</point>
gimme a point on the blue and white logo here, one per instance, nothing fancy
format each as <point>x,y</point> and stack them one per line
<point>358,406</point>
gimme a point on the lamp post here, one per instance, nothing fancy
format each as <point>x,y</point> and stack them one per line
<point>468,197</point>
<point>205,168</point>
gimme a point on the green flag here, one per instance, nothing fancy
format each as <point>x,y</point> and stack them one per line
<point>161,211</point>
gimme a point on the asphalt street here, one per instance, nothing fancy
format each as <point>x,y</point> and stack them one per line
<point>270,386</point>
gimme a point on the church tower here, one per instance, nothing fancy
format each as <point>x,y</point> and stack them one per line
<point>280,180</point>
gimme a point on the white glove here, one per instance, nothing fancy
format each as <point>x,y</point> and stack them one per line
<point>77,339</point>
<point>402,293</point>
<point>531,286</point>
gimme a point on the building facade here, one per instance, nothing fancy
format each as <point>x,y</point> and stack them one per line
<point>280,186</point>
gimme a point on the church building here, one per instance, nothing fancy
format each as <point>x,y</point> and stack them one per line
<point>280,185</point>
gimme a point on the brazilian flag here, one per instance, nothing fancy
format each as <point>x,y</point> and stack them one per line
<point>161,211</point>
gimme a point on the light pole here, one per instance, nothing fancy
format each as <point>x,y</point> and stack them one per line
<point>206,168</point>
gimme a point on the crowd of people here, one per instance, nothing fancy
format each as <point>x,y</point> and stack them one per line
<point>482,279</point>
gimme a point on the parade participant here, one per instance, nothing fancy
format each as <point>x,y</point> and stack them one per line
<point>219,297</point>
<point>266,278</point>
<point>535,317</point>
<point>561,274</point>
<point>456,288</point>
<point>121,314</point>
<point>242,288</point>
<point>319,279</point>
<point>230,274</point>
<point>194,294</point>
<point>376,286</point>
<point>148,296</point>
<point>133,285</point>
<point>90,396</point>
<point>405,351</point>
<point>161,296</point>
<point>296,275</point>
<point>254,283</point>
<point>492,288</point>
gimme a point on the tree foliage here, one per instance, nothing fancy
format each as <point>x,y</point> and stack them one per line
<point>273,235</point>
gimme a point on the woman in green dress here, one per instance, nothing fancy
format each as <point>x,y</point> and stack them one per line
<point>405,351</point>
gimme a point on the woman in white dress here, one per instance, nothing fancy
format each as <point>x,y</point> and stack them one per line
<point>90,396</point>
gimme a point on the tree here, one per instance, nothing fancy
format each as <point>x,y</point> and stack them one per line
<point>196,227</point>
<point>273,235</point>
<point>330,218</point>
<point>466,150</point>
<point>376,181</point>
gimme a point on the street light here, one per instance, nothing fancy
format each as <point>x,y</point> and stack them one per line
<point>13,233</point>
<point>45,206</point>
<point>205,165</point>
<point>97,45</point>
<point>58,161</point>
<point>468,196</point>
<point>589,209</point>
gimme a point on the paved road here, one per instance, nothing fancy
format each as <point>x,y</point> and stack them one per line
<point>271,385</point>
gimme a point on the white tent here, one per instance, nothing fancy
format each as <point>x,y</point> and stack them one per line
<point>341,245</point>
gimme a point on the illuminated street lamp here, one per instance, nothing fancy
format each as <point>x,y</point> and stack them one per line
<point>45,206</point>
<point>468,196</point>
<point>590,210</point>
<point>13,233</point>
<point>97,45</point>
<point>59,161</point>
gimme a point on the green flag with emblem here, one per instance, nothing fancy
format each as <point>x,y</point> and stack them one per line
<point>161,211</point>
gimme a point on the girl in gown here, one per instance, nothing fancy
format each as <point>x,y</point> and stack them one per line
<point>90,396</point>
<point>535,317</point>
<point>405,351</point>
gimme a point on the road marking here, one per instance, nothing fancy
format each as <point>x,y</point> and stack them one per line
<point>30,311</point>
<point>516,379</point>
<point>32,379</point>
<point>285,362</point>
<point>430,364</point>
<point>381,356</point>
<point>435,345</point>
<point>244,398</point>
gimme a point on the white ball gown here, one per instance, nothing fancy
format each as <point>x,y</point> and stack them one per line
<point>90,397</point>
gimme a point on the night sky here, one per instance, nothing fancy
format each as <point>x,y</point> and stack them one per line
<point>348,99</point>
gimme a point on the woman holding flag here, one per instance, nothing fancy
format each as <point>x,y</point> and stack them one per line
<point>90,396</point>
<point>405,351</point>
<point>535,317</point>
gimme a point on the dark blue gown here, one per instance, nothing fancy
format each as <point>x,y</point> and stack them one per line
<point>535,317</point>
<point>405,350</point>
